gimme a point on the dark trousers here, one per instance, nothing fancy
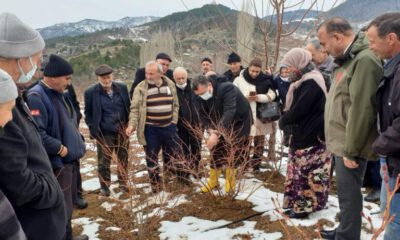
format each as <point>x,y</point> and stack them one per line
<point>79,189</point>
<point>372,175</point>
<point>231,153</point>
<point>349,183</point>
<point>66,177</point>
<point>190,148</point>
<point>259,142</point>
<point>108,145</point>
<point>157,138</point>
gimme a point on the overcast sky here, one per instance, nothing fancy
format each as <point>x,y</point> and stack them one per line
<point>42,13</point>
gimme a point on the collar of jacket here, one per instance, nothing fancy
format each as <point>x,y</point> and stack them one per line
<point>48,89</point>
<point>392,66</point>
<point>359,43</point>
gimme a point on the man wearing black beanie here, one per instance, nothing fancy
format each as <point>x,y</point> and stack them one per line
<point>57,120</point>
<point>235,66</point>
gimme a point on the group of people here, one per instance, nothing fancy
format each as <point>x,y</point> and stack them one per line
<point>340,109</point>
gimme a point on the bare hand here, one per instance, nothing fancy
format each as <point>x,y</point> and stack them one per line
<point>212,141</point>
<point>350,163</point>
<point>252,98</point>
<point>64,152</point>
<point>129,131</point>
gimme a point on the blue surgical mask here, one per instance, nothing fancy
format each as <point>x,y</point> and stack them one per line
<point>205,96</point>
<point>25,78</point>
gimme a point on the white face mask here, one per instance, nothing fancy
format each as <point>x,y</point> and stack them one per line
<point>25,78</point>
<point>205,96</point>
<point>181,86</point>
<point>285,79</point>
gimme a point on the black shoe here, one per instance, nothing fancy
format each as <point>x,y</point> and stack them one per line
<point>81,203</point>
<point>292,214</point>
<point>105,192</point>
<point>328,234</point>
<point>373,196</point>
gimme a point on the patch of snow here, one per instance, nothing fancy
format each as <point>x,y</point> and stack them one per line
<point>108,206</point>
<point>113,229</point>
<point>194,228</point>
<point>90,228</point>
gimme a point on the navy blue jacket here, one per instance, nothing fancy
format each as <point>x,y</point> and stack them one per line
<point>93,106</point>
<point>282,87</point>
<point>57,124</point>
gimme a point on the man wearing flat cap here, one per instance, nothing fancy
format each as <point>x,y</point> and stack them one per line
<point>27,178</point>
<point>107,107</point>
<point>164,60</point>
<point>56,118</point>
<point>235,66</point>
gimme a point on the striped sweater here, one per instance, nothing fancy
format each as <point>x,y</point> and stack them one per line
<point>159,105</point>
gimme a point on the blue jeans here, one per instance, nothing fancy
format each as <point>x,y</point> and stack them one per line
<point>393,229</point>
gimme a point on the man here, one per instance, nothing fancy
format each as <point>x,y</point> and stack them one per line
<point>189,119</point>
<point>27,179</point>
<point>349,135</point>
<point>79,201</point>
<point>235,66</point>
<point>154,115</point>
<point>57,121</point>
<point>206,65</point>
<point>164,60</point>
<point>322,60</point>
<point>107,106</point>
<point>384,40</point>
<point>227,116</point>
<point>10,228</point>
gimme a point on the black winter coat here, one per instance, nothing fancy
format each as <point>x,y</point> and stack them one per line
<point>388,103</point>
<point>188,108</point>
<point>227,109</point>
<point>93,106</point>
<point>141,75</point>
<point>230,76</point>
<point>27,178</point>
<point>305,119</point>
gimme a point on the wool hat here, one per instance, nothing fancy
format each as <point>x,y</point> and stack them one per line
<point>57,67</point>
<point>234,57</point>
<point>8,88</point>
<point>163,56</point>
<point>17,39</point>
<point>103,70</point>
<point>206,59</point>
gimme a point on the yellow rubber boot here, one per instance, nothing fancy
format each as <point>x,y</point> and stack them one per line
<point>212,181</point>
<point>230,176</point>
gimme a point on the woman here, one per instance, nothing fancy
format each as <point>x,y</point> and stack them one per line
<point>258,88</point>
<point>307,179</point>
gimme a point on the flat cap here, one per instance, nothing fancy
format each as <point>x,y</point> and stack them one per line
<point>163,56</point>
<point>103,70</point>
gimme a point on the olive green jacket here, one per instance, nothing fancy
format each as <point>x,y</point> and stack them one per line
<point>350,110</point>
<point>137,116</point>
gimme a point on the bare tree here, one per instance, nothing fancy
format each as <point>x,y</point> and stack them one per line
<point>245,32</point>
<point>162,41</point>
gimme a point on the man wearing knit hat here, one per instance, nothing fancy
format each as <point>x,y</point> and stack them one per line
<point>164,60</point>
<point>235,66</point>
<point>57,122</point>
<point>7,103</point>
<point>27,179</point>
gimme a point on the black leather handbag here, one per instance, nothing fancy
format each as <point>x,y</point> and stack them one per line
<point>269,112</point>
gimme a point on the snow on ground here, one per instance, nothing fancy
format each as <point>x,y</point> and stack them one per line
<point>90,227</point>
<point>194,228</point>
